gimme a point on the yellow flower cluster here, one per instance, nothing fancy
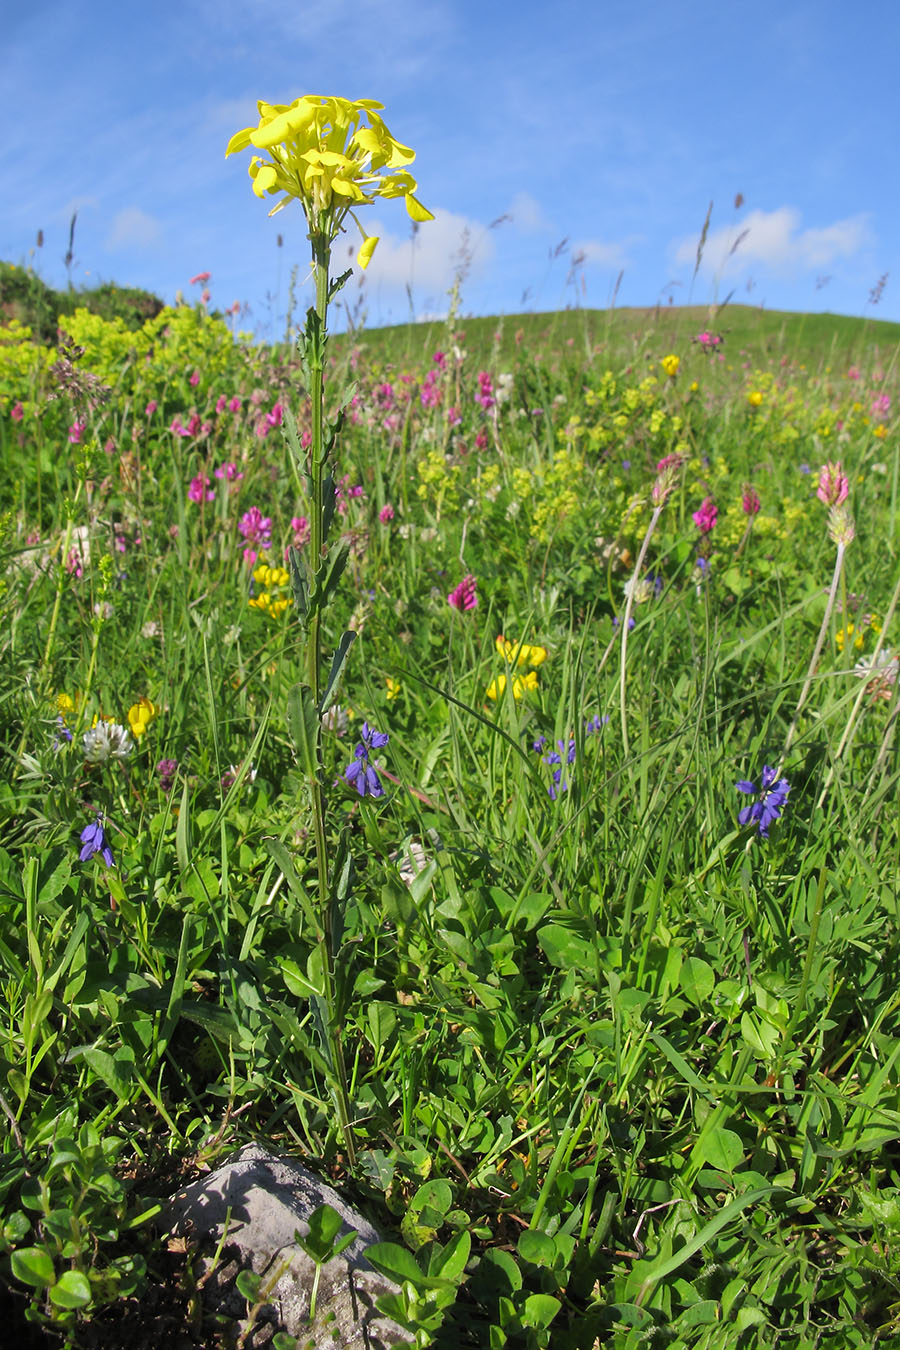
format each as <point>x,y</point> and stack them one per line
<point>868,623</point>
<point>140,715</point>
<point>321,152</point>
<point>271,599</point>
<point>670,365</point>
<point>517,655</point>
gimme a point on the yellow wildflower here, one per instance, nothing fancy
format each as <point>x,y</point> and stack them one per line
<point>140,715</point>
<point>393,687</point>
<point>64,704</point>
<point>321,152</point>
<point>522,684</point>
<point>521,653</point>
<point>670,364</point>
<point>754,398</point>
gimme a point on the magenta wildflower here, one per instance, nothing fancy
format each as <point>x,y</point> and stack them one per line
<point>834,485</point>
<point>485,395</point>
<point>234,404</point>
<point>705,518</point>
<point>151,408</point>
<point>167,769</point>
<point>481,441</point>
<point>76,431</point>
<point>177,427</point>
<point>464,596</point>
<point>200,279</point>
<point>200,490</point>
<point>17,412</point>
<point>750,500</point>
<point>228,471</point>
<point>194,378</point>
<point>301,528</point>
<point>256,529</point>
<point>386,514</point>
<point>431,394</point>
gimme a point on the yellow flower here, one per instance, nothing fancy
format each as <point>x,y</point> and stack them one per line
<point>64,704</point>
<point>694,386</point>
<point>754,398</point>
<point>140,715</point>
<point>393,687</point>
<point>670,364</point>
<point>880,432</point>
<point>321,152</point>
<point>522,654</point>
<point>522,684</point>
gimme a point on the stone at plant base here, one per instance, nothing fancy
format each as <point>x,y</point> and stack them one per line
<point>264,1200</point>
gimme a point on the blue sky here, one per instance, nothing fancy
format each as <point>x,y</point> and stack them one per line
<point>597,134</point>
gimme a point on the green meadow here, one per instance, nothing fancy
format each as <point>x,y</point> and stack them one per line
<point>611,773</point>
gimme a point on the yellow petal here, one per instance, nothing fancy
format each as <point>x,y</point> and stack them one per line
<point>416,210</point>
<point>239,141</point>
<point>364,256</point>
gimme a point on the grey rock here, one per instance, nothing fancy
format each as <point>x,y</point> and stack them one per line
<point>262,1201</point>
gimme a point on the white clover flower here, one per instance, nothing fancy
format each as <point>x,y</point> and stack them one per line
<point>105,741</point>
<point>884,665</point>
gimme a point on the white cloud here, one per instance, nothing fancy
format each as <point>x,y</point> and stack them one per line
<point>527,213</point>
<point>599,254</point>
<point>775,239</point>
<point>434,257</point>
<point>133,228</point>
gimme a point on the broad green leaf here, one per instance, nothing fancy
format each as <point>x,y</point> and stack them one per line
<point>33,1266</point>
<point>720,1148</point>
<point>697,980</point>
<point>72,1290</point>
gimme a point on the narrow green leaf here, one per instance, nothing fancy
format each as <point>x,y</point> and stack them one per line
<point>303,720</point>
<point>183,830</point>
<point>337,665</point>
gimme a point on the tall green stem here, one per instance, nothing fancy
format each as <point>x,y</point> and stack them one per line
<point>325,937</point>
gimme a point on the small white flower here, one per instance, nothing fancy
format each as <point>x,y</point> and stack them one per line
<point>107,740</point>
<point>885,665</point>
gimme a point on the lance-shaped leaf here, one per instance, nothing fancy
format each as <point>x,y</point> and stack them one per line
<point>337,665</point>
<point>325,581</point>
<point>299,584</point>
<point>303,720</point>
<point>339,283</point>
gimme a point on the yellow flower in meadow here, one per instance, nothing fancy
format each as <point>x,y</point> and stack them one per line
<point>880,432</point>
<point>754,398</point>
<point>522,684</point>
<point>694,386</point>
<point>393,687</point>
<point>64,704</point>
<point>140,715</point>
<point>522,654</point>
<point>331,154</point>
<point>670,364</point>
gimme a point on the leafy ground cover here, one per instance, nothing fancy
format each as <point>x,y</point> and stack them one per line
<point>613,773</point>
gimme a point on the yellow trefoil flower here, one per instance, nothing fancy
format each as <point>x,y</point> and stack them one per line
<point>522,684</point>
<point>754,398</point>
<point>140,715</point>
<point>670,364</point>
<point>393,686</point>
<point>522,654</point>
<point>323,153</point>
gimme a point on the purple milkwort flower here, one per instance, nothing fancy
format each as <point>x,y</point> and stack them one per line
<point>167,769</point>
<point>539,744</point>
<point>359,772</point>
<point>63,733</point>
<point>771,797</point>
<point>386,514</point>
<point>93,840</point>
<point>464,596</point>
<point>834,485</point>
<point>750,500</point>
<point>596,723</point>
<point>76,431</point>
<point>631,621</point>
<point>705,518</point>
<point>559,783</point>
<point>200,490</point>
